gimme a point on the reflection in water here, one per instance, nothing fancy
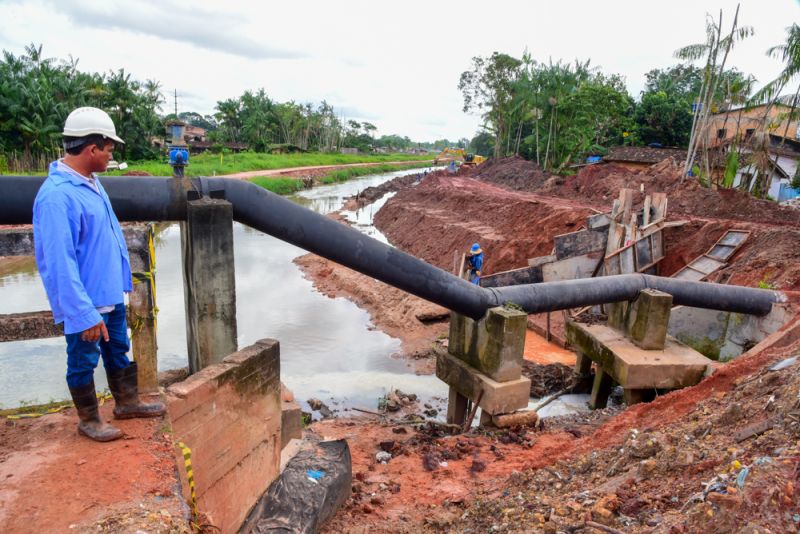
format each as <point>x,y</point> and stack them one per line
<point>328,347</point>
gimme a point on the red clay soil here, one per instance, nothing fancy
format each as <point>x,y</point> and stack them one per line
<point>440,218</point>
<point>405,495</point>
<point>53,480</point>
<point>445,214</point>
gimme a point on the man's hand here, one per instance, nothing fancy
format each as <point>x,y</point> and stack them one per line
<point>92,335</point>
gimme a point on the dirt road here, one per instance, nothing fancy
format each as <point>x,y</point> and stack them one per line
<point>314,170</point>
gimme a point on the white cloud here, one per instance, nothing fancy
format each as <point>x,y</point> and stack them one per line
<point>397,67</point>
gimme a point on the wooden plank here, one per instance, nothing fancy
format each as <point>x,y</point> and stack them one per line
<point>572,268</point>
<point>31,325</point>
<point>659,204</point>
<point>646,210</point>
<point>627,261</point>
<point>721,252</point>
<point>734,238</point>
<point>541,260</point>
<point>580,242</point>
<point>515,277</point>
<point>601,220</point>
<point>689,274</point>
<point>626,203</point>
<point>706,264</point>
<point>644,255</point>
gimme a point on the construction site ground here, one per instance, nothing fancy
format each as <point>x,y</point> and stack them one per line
<point>718,457</point>
<point>722,456</point>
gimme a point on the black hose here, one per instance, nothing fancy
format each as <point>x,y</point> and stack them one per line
<point>155,198</point>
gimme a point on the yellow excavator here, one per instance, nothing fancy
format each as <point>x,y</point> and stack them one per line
<point>459,155</point>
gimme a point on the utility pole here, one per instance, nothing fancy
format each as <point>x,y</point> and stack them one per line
<point>176,103</point>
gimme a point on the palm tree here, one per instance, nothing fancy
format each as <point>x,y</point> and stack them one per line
<point>789,53</point>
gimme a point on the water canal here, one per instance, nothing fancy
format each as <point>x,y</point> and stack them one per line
<point>329,349</point>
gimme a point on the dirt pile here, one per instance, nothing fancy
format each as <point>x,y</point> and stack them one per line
<point>727,459</point>
<point>715,457</point>
<point>687,197</point>
<point>514,173</point>
<point>440,218</point>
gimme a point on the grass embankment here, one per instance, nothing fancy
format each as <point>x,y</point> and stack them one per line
<point>210,164</point>
<point>287,186</point>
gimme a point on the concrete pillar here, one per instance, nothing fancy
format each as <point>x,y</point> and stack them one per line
<point>583,371</point>
<point>601,389</point>
<point>648,318</point>
<point>141,308</point>
<point>208,281</point>
<point>456,407</point>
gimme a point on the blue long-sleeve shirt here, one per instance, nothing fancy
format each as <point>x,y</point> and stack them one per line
<point>80,250</point>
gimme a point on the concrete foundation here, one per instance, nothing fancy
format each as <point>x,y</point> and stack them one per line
<point>229,415</point>
<point>468,383</point>
<point>209,281</point>
<point>724,335</point>
<point>634,368</point>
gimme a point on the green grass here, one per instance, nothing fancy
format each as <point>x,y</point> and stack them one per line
<point>342,175</point>
<point>287,186</point>
<point>280,186</point>
<point>209,164</point>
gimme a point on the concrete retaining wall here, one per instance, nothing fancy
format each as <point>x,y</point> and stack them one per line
<point>229,415</point>
<point>724,335</point>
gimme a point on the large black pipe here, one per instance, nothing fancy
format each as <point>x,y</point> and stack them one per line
<point>152,198</point>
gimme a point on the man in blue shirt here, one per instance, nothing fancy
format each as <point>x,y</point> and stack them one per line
<point>475,261</point>
<point>83,261</point>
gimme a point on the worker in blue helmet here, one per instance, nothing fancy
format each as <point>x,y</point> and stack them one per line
<point>475,259</point>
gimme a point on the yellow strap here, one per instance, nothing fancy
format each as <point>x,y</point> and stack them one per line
<point>101,398</point>
<point>187,462</point>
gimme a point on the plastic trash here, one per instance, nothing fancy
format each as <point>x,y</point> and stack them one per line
<point>783,364</point>
<point>314,474</point>
<point>742,476</point>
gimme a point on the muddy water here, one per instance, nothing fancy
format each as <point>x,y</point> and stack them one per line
<point>329,349</point>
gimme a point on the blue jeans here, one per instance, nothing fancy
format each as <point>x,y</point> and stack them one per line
<point>82,356</point>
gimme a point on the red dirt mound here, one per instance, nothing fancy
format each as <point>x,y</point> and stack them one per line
<point>454,211</point>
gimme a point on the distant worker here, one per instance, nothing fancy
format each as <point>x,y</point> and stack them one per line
<point>83,261</point>
<point>475,260</point>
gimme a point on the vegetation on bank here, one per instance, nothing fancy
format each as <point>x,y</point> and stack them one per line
<point>557,113</point>
<point>37,93</point>
<point>287,186</point>
<point>218,164</point>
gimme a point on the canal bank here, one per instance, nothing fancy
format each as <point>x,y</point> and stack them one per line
<point>330,348</point>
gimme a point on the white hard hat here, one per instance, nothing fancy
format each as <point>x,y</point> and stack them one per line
<point>87,121</point>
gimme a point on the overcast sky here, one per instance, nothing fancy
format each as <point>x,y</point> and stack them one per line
<point>397,67</point>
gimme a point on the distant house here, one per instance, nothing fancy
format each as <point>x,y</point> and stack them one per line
<point>641,157</point>
<point>194,133</point>
<point>348,150</point>
<point>744,122</point>
<point>784,158</point>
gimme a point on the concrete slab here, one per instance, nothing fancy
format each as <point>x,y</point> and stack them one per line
<point>498,397</point>
<point>494,345</point>
<point>632,367</point>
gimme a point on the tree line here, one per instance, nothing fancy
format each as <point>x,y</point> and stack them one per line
<point>37,94</point>
<point>557,113</point>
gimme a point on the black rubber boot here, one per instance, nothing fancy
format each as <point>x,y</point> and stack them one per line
<point>125,388</point>
<point>91,425</point>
